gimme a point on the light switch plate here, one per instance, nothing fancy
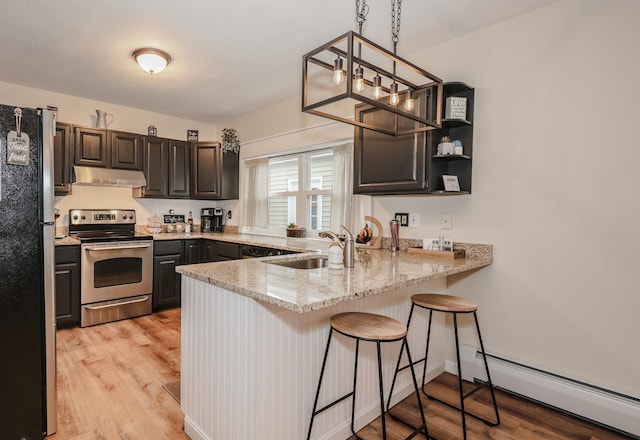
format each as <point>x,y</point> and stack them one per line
<point>414,220</point>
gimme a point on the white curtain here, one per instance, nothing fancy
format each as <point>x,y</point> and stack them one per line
<point>346,208</point>
<point>255,202</point>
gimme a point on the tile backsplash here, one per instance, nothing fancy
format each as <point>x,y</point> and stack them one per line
<point>104,197</point>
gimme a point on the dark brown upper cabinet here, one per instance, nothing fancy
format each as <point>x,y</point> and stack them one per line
<point>156,167</point>
<point>90,145</point>
<point>214,174</point>
<point>126,150</point>
<point>166,166</point>
<point>387,164</point>
<point>409,164</point>
<point>62,159</point>
<point>179,169</point>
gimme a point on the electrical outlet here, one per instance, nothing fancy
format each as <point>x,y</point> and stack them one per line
<point>414,220</point>
<point>446,220</point>
<point>229,214</point>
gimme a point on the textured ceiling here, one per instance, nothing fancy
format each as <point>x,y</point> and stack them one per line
<point>229,58</point>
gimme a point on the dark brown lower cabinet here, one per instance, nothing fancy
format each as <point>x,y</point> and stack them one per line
<point>67,279</point>
<point>166,282</point>
<point>227,251</point>
<point>207,251</point>
<point>192,251</point>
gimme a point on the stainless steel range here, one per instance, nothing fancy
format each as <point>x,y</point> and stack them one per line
<point>116,265</point>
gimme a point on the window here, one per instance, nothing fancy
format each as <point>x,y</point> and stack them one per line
<point>300,190</point>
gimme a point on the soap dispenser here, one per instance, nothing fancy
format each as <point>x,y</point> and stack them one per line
<point>336,258</point>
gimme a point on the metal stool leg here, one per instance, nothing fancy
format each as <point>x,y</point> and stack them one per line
<point>460,390</point>
<point>486,368</point>
<point>426,353</point>
<point>464,395</point>
<point>353,400</point>
<point>384,425</point>
<point>415,386</point>
<point>398,369</point>
<point>315,402</point>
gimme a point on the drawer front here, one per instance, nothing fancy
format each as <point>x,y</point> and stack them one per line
<point>167,247</point>
<point>67,254</point>
<point>226,250</point>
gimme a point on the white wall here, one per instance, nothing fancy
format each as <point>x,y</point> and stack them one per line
<point>81,111</point>
<point>554,185</point>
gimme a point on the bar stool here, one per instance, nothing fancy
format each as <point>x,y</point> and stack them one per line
<point>373,328</point>
<point>454,305</point>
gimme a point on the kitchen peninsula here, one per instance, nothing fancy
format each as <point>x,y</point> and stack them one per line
<point>253,337</point>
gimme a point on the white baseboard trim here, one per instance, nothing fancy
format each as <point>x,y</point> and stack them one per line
<point>193,431</point>
<point>607,408</point>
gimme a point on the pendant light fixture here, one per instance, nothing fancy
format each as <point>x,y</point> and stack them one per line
<point>338,71</point>
<point>151,60</point>
<point>363,73</point>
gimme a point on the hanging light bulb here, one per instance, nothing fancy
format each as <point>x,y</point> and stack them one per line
<point>338,72</point>
<point>359,83</point>
<point>409,104</point>
<point>393,90</point>
<point>377,86</point>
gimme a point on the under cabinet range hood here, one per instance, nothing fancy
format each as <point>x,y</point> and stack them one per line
<point>108,177</point>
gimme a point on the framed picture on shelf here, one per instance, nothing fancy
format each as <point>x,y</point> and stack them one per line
<point>456,108</point>
<point>192,135</point>
<point>451,183</point>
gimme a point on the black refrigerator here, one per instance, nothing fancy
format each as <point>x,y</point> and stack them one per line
<point>27,306</point>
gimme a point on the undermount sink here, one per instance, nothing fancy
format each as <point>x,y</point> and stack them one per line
<point>307,263</point>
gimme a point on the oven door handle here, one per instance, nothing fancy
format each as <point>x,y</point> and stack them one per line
<point>133,301</point>
<point>117,248</point>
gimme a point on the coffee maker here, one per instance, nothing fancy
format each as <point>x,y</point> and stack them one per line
<point>206,219</point>
<point>216,225</point>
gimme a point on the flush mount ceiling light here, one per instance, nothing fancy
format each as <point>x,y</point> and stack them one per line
<point>374,78</point>
<point>151,60</point>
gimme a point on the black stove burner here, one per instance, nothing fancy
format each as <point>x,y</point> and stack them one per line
<point>102,233</point>
<point>101,236</point>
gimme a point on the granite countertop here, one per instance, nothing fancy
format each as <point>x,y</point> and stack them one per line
<point>298,290</point>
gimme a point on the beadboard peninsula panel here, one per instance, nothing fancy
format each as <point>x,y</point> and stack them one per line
<point>250,369</point>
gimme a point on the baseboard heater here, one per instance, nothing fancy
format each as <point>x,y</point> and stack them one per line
<point>614,410</point>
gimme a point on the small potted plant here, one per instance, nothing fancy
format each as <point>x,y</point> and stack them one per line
<point>446,146</point>
<point>230,140</point>
<point>294,231</point>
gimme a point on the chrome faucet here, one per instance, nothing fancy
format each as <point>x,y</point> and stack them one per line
<point>348,246</point>
<point>331,235</point>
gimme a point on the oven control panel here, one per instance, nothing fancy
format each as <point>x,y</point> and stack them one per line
<point>102,216</point>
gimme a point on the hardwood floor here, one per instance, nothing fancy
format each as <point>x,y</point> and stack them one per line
<point>110,381</point>
<point>520,419</point>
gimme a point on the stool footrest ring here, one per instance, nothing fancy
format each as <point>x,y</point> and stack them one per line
<point>416,429</point>
<point>475,416</point>
<point>335,402</point>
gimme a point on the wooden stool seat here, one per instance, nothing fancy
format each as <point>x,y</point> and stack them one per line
<point>379,329</point>
<point>452,305</point>
<point>444,303</point>
<point>368,326</point>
